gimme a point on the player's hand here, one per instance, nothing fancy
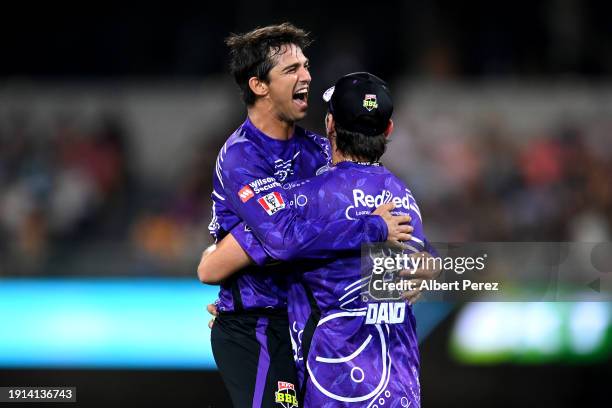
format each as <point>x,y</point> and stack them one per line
<point>412,296</point>
<point>212,309</point>
<point>426,271</point>
<point>397,225</point>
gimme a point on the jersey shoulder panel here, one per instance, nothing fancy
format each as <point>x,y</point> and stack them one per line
<point>238,148</point>
<point>321,142</point>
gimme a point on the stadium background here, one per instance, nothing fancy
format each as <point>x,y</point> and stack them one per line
<point>110,121</point>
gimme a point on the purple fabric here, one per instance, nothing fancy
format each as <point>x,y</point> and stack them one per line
<point>264,361</point>
<point>242,233</point>
<point>352,362</point>
<point>252,163</point>
<point>252,175</point>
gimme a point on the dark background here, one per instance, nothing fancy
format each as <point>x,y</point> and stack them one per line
<point>476,39</point>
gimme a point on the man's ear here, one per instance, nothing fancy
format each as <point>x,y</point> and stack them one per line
<point>389,129</point>
<point>330,124</point>
<point>258,87</point>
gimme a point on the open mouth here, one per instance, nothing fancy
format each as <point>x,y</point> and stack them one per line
<point>301,98</point>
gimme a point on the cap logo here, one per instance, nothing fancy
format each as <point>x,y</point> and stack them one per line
<point>370,102</point>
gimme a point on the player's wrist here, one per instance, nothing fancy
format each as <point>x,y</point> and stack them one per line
<point>376,228</point>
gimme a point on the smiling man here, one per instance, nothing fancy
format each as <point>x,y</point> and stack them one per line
<point>250,339</point>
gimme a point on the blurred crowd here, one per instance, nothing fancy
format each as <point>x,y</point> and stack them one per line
<point>498,184</point>
<point>60,184</point>
<point>71,203</point>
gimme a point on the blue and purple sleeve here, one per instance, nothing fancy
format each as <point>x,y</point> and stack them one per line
<point>281,232</point>
<point>419,242</point>
<point>249,243</point>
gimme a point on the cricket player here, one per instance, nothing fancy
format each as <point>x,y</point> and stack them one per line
<point>268,151</point>
<point>349,352</point>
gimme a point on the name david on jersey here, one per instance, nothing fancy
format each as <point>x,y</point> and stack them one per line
<point>364,203</point>
<point>386,312</point>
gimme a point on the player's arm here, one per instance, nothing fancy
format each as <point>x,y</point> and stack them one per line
<point>283,234</point>
<point>419,247</point>
<point>221,260</point>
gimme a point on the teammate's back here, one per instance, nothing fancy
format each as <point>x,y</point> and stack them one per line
<point>350,190</point>
<point>359,350</point>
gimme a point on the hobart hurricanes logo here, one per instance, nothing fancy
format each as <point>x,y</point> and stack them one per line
<point>286,395</point>
<point>263,184</point>
<point>284,168</point>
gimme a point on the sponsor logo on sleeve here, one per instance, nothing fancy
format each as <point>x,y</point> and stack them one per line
<point>298,200</point>
<point>294,184</point>
<point>263,184</point>
<point>245,194</point>
<point>286,395</point>
<point>272,202</point>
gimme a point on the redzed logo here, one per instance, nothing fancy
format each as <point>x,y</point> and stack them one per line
<point>245,194</point>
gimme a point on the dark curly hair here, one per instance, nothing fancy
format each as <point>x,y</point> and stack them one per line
<point>252,54</point>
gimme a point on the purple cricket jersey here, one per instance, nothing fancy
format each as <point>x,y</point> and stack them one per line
<point>354,358</point>
<point>250,173</point>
